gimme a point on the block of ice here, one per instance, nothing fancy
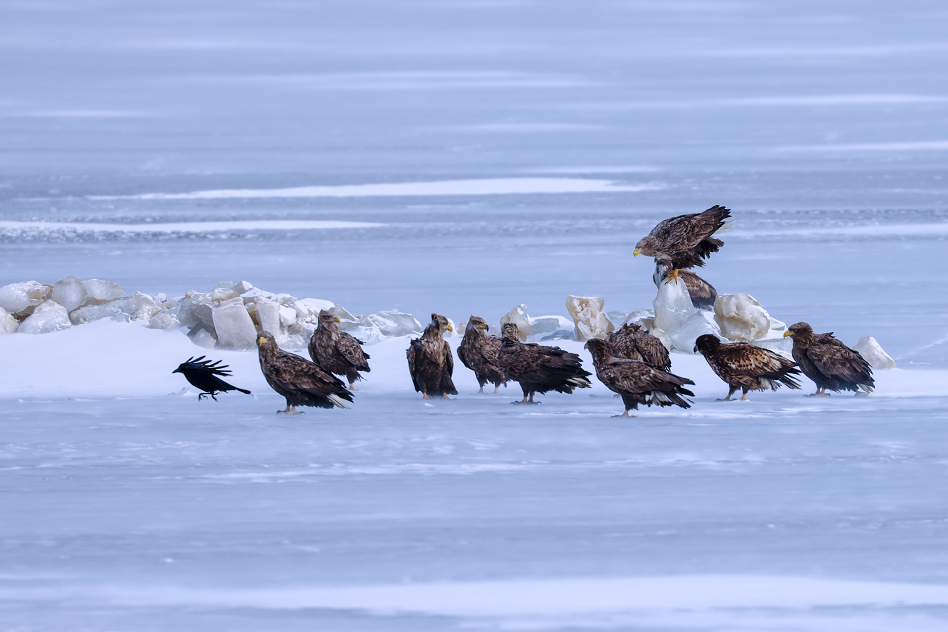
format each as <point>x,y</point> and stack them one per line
<point>518,316</point>
<point>223,294</point>
<point>164,320</point>
<point>233,325</point>
<point>145,307</point>
<point>683,338</point>
<point>193,308</point>
<point>99,290</point>
<point>288,316</point>
<point>393,323</point>
<point>550,324</point>
<point>8,323</point>
<point>70,293</point>
<point>588,318</point>
<point>14,298</point>
<point>47,317</point>
<point>617,318</point>
<point>741,317</point>
<point>254,293</point>
<point>108,309</point>
<point>872,351</point>
<point>313,305</point>
<point>268,317</point>
<point>781,345</point>
<point>639,316</point>
<point>673,307</point>
<point>242,287</point>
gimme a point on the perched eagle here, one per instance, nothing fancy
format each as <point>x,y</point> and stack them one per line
<point>637,382</point>
<point>829,363</point>
<point>301,382</point>
<point>478,352</point>
<point>336,351</point>
<point>745,366</point>
<point>204,375</point>
<point>701,292</point>
<point>538,368</point>
<point>685,241</point>
<point>635,343</point>
<point>430,361</point>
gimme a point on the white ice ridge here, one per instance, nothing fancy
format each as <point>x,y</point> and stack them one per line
<point>185,227</point>
<point>558,596</point>
<point>486,186</point>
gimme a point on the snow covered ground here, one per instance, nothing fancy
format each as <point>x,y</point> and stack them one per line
<point>465,158</point>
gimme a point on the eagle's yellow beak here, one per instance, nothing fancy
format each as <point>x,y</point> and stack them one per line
<point>449,327</point>
<point>635,253</point>
<point>484,326</point>
<point>335,319</point>
<point>261,340</point>
<point>787,334</point>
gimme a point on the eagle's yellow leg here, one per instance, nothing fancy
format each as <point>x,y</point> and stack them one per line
<point>424,395</point>
<point>445,396</point>
<point>625,414</point>
<point>674,275</point>
<point>496,389</point>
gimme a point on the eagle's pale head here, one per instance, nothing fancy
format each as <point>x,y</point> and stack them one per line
<point>476,322</point>
<point>509,330</point>
<point>326,317</point>
<point>646,246</point>
<point>441,322</point>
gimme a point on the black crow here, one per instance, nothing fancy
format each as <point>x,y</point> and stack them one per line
<point>203,375</point>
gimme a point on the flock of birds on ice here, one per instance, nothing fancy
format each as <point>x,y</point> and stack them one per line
<point>630,362</point>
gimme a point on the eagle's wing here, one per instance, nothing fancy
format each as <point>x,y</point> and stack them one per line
<point>351,350</point>
<point>834,359</point>
<point>751,361</point>
<point>294,373</point>
<point>414,348</point>
<point>449,359</point>
<point>638,377</point>
<point>653,351</point>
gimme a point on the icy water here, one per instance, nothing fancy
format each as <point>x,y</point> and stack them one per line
<point>494,153</point>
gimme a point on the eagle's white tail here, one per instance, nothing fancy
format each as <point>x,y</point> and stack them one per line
<point>338,401</point>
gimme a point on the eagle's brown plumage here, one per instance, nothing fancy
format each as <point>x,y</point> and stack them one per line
<point>686,240</point>
<point>538,368</point>
<point>336,351</point>
<point>430,361</point>
<point>744,366</point>
<point>701,292</point>
<point>301,382</point>
<point>478,352</point>
<point>637,382</point>
<point>633,342</point>
<point>828,362</point>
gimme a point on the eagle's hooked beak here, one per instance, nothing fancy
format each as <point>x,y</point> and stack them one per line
<point>335,319</point>
<point>449,327</point>
<point>787,334</point>
<point>586,346</point>
<point>483,326</point>
<point>635,253</point>
<point>695,350</point>
<point>261,340</point>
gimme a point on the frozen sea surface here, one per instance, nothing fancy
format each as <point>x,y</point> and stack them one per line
<point>464,158</point>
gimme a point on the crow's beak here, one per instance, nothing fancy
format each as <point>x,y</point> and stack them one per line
<point>178,370</point>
